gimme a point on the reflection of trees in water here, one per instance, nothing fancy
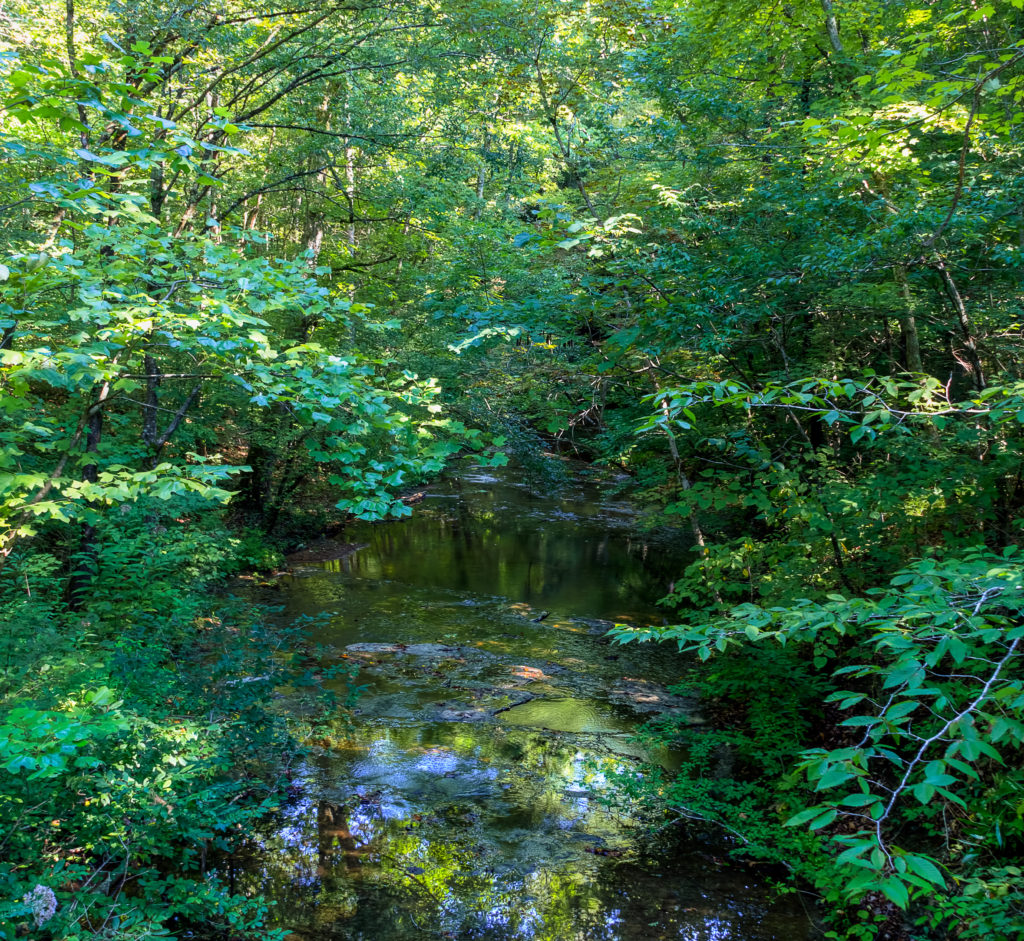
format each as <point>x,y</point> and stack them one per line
<point>504,541</point>
<point>335,844</point>
<point>454,877</point>
<point>428,848</point>
<point>491,866</point>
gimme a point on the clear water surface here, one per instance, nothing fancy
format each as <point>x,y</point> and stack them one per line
<point>474,796</point>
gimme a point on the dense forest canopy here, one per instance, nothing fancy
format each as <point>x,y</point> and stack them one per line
<point>764,258</point>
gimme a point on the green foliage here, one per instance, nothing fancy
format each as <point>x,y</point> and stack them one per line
<point>931,715</point>
<point>103,318</point>
<point>141,748</point>
<point>764,259</point>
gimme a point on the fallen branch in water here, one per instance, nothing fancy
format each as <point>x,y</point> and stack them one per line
<point>512,705</point>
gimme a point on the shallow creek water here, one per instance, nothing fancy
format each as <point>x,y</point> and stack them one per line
<point>469,801</point>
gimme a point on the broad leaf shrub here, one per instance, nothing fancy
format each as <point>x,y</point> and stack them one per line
<point>915,798</point>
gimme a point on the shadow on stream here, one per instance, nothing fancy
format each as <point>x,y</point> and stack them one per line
<point>469,800</point>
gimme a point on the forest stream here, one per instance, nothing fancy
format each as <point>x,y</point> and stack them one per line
<point>468,799</point>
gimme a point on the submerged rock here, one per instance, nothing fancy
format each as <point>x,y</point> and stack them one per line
<point>431,650</point>
<point>466,714</point>
<point>373,648</point>
<point>648,697</point>
<point>441,651</point>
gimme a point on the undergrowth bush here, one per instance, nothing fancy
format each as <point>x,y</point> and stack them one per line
<point>133,757</point>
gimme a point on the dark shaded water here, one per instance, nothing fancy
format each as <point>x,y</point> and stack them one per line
<point>475,798</point>
<point>553,545</point>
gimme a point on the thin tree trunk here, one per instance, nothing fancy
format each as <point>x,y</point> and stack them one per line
<point>908,324</point>
<point>563,146</point>
<point>69,41</point>
<point>350,194</point>
<point>350,174</point>
<point>151,435</point>
<point>832,27</point>
<point>685,484</point>
<point>87,563</point>
<point>964,323</point>
<point>481,177</point>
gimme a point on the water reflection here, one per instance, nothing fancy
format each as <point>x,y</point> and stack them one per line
<point>501,836</point>
<point>474,799</point>
<point>570,551</point>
